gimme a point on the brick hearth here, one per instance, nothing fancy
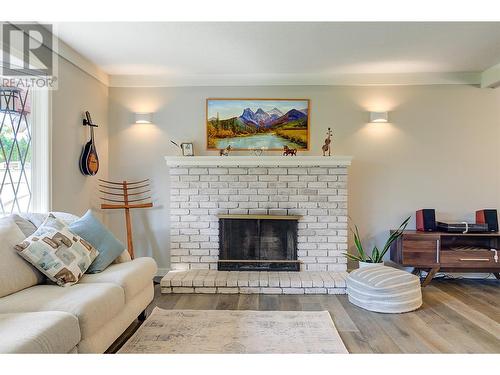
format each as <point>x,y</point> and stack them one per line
<point>229,282</point>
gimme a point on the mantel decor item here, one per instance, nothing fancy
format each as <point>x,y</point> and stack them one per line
<point>327,146</point>
<point>126,196</point>
<point>176,145</point>
<point>377,256</point>
<point>249,124</point>
<point>225,151</point>
<point>187,149</point>
<point>289,151</point>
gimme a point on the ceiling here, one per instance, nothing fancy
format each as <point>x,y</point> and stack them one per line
<point>191,52</point>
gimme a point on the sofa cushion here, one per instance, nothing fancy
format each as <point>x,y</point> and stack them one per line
<point>93,304</point>
<point>38,218</point>
<point>132,276</point>
<point>26,226</point>
<point>57,252</point>
<point>15,273</point>
<point>39,332</point>
<point>91,230</point>
<point>106,335</point>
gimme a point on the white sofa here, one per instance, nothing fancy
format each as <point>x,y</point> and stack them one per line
<point>36,317</point>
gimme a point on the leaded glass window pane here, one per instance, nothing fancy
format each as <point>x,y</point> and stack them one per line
<point>15,150</point>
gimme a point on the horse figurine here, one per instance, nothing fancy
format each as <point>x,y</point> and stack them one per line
<point>289,151</point>
<point>225,151</point>
<point>326,147</point>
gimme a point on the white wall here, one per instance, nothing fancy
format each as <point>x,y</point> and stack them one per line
<point>77,92</point>
<point>440,150</point>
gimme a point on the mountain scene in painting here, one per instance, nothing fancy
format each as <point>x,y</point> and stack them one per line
<point>251,124</point>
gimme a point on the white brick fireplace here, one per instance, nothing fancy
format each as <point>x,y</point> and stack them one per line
<point>314,188</point>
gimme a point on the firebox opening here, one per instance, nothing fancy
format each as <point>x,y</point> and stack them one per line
<point>258,243</point>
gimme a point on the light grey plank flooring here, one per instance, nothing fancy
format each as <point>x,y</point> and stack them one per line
<point>458,316</point>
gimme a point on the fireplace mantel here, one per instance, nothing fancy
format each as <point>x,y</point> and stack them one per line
<point>258,161</point>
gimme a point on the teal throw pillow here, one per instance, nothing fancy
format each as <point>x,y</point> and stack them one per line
<point>93,231</point>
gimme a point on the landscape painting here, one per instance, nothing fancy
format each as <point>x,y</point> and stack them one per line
<point>248,124</point>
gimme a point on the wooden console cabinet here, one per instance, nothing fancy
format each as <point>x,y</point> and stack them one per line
<point>447,252</point>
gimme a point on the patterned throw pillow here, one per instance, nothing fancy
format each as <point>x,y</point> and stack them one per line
<point>57,252</point>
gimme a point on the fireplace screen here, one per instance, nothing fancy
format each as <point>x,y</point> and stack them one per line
<point>258,243</point>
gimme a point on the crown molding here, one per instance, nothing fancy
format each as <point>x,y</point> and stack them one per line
<point>459,78</point>
<point>81,62</point>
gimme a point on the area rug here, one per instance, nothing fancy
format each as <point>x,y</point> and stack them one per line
<point>229,331</point>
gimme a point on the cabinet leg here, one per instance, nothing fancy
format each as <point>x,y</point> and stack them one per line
<point>429,276</point>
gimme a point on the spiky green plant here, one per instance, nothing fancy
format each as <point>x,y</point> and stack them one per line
<point>376,255</point>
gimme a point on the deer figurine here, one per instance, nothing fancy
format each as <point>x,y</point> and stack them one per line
<point>289,151</point>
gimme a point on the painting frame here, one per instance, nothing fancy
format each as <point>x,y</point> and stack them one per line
<point>212,147</point>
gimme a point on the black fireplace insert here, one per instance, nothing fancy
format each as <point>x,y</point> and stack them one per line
<point>258,243</point>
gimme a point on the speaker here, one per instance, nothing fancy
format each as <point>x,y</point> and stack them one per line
<point>488,216</point>
<point>426,220</point>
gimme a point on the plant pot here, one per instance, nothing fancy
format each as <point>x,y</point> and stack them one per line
<point>368,264</point>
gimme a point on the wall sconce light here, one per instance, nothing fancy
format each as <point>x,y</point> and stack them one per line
<point>377,117</point>
<point>143,118</point>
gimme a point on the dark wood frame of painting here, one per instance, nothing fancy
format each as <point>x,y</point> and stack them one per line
<point>270,149</point>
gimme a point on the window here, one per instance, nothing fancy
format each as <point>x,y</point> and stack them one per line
<point>23,150</point>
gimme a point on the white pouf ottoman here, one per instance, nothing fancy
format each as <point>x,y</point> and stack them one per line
<point>384,289</point>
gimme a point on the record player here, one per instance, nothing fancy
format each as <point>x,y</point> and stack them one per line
<point>462,227</point>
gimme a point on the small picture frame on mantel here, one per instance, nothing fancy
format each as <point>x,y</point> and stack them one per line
<point>187,149</point>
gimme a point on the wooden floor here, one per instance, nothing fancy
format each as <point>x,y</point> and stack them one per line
<point>458,316</point>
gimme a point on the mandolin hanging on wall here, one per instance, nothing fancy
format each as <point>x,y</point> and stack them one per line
<point>89,161</point>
